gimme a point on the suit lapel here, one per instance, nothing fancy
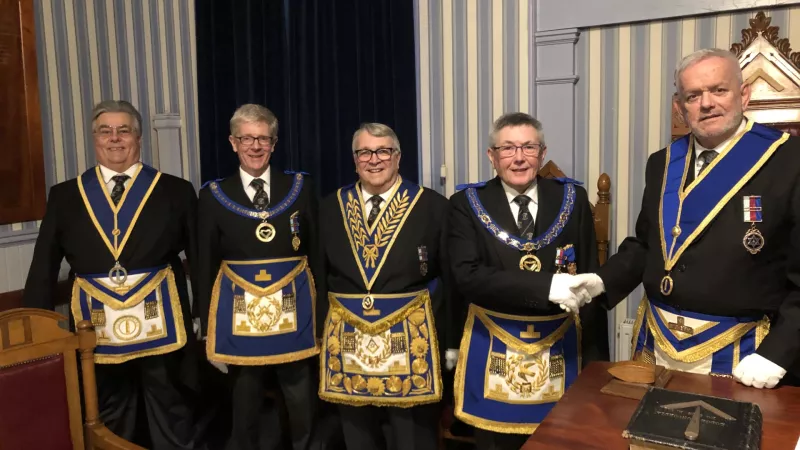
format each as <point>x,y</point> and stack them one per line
<point>232,187</point>
<point>551,195</point>
<point>280,184</point>
<point>494,200</point>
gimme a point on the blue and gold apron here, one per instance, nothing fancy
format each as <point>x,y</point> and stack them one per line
<point>379,349</point>
<point>262,311</point>
<point>702,343</point>
<point>513,369</point>
<point>135,313</point>
<point>686,212</point>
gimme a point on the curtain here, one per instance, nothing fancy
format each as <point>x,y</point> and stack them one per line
<point>322,66</point>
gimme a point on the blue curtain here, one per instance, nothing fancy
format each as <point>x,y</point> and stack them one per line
<point>322,66</point>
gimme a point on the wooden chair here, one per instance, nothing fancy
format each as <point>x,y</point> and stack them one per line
<point>41,405</point>
<point>601,213</point>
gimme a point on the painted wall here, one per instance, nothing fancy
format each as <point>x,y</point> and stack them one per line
<point>622,108</point>
<point>475,61</point>
<point>90,50</point>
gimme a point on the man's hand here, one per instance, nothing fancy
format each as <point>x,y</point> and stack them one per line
<point>568,292</point>
<point>451,358</point>
<point>759,372</point>
<point>592,283</point>
<point>222,367</point>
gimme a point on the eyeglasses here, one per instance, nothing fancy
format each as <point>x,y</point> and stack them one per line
<point>266,141</point>
<point>507,151</point>
<point>365,154</point>
<point>107,132</point>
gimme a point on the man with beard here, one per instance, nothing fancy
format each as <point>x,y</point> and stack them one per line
<point>716,240</point>
<point>515,243</point>
<point>258,249</point>
<point>122,225</point>
<point>383,243</point>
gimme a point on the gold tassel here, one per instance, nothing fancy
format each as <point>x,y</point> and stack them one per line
<point>239,306</point>
<point>289,303</point>
<point>557,366</point>
<point>150,309</point>
<point>99,317</point>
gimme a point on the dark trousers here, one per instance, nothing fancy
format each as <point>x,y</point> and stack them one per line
<point>152,381</point>
<point>489,440</point>
<point>255,416</point>
<point>387,428</point>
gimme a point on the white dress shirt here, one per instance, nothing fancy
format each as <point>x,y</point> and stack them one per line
<point>250,190</point>
<point>108,174</point>
<point>533,206</point>
<point>368,204</point>
<point>698,149</point>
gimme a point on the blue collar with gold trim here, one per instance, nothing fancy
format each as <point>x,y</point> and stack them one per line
<point>255,214</point>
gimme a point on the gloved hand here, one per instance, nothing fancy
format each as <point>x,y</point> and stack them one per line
<point>451,358</point>
<point>759,372</point>
<point>592,282</point>
<point>568,292</point>
<point>222,367</point>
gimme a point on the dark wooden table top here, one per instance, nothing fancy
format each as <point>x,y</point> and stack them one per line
<point>587,419</point>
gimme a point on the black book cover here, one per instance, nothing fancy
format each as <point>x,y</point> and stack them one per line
<point>666,419</point>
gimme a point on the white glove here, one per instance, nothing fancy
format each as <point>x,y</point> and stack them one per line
<point>759,372</point>
<point>593,284</point>
<point>451,358</point>
<point>196,327</point>
<point>222,367</point>
<point>567,292</point>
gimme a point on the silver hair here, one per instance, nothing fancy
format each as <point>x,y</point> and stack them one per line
<point>516,119</point>
<point>377,130</point>
<point>250,113</point>
<point>118,106</point>
<point>701,55</point>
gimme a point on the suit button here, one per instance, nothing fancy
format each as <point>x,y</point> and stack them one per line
<point>681,267</point>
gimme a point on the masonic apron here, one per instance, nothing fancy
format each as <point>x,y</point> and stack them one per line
<point>379,349</point>
<point>135,312</point>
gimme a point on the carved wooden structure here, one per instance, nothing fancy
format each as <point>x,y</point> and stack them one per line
<point>22,183</point>
<point>771,68</point>
<point>41,406</point>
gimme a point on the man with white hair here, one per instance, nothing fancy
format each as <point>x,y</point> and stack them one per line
<point>716,242</point>
<point>121,225</point>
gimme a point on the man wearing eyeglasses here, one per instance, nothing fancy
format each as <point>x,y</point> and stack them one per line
<point>258,250</point>
<point>514,243</point>
<point>387,278</point>
<point>121,226</point>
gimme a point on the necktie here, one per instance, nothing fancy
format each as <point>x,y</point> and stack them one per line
<point>376,201</point>
<point>119,187</point>
<point>705,159</point>
<point>524,218</point>
<point>261,199</point>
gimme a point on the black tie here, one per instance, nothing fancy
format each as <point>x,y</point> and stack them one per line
<point>119,187</point>
<point>705,158</point>
<point>376,208</point>
<point>524,218</point>
<point>261,199</point>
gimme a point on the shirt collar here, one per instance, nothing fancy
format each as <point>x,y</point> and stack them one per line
<point>700,149</point>
<point>108,173</point>
<point>247,178</point>
<point>532,192</point>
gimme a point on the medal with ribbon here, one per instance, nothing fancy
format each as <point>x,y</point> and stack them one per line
<point>753,240</point>
<point>422,254</point>
<point>685,213</point>
<point>294,226</point>
<point>265,231</point>
<point>113,222</point>
<point>528,261</point>
<point>371,244</point>
<point>565,260</point>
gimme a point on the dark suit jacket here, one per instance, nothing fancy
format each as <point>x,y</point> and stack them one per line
<point>426,225</point>
<point>166,227</point>
<point>225,235</point>
<point>486,271</point>
<point>716,275</point>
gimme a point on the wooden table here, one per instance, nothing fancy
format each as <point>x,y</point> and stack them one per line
<point>587,419</point>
